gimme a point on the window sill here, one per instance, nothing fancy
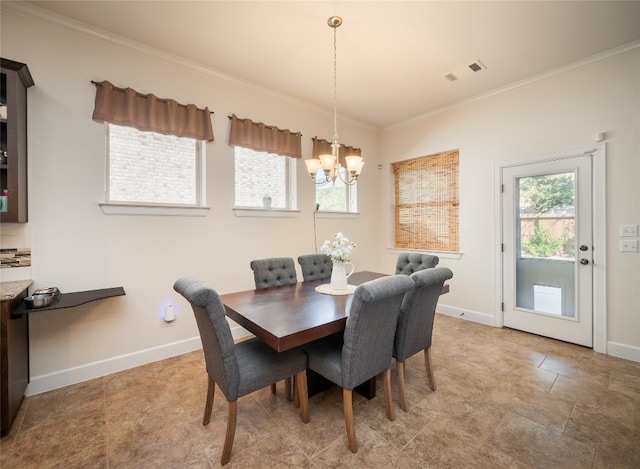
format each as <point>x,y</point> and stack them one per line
<point>169,210</point>
<point>440,254</point>
<point>265,212</point>
<point>328,214</point>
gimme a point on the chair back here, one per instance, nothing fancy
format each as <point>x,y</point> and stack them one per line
<point>417,312</point>
<point>215,333</point>
<point>315,266</point>
<point>410,262</point>
<point>369,332</point>
<point>274,271</point>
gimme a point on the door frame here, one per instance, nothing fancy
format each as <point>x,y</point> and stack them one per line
<point>598,181</point>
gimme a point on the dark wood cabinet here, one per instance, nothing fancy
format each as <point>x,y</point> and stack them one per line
<point>14,358</point>
<point>15,78</point>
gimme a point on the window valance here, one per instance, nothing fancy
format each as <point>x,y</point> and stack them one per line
<point>260,137</point>
<point>323,147</point>
<point>147,112</point>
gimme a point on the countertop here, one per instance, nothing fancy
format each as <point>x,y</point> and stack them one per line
<point>9,290</point>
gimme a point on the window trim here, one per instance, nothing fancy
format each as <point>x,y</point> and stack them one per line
<point>265,212</point>
<point>199,209</point>
<point>441,254</point>
<point>336,214</point>
<point>141,209</point>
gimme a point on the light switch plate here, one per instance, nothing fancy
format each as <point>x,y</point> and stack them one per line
<point>629,230</point>
<point>629,245</point>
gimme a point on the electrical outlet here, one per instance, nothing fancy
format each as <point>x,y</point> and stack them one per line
<point>629,230</point>
<point>629,245</point>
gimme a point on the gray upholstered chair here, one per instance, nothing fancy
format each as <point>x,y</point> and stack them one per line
<point>273,272</point>
<point>238,369</point>
<point>365,349</point>
<point>410,262</point>
<point>415,323</point>
<point>315,266</point>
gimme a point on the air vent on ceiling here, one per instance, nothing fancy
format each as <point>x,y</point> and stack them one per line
<point>465,70</point>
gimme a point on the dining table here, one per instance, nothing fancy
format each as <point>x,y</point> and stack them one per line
<point>289,316</point>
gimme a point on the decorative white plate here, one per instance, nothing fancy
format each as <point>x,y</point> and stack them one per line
<point>328,290</point>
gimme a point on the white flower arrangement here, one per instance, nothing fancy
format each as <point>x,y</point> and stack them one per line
<point>340,249</point>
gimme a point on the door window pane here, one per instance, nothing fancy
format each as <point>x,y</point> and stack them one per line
<point>545,264</point>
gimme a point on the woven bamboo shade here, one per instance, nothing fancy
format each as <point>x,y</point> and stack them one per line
<point>426,202</point>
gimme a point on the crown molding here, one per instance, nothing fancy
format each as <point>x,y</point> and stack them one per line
<point>76,27</point>
<point>38,14</point>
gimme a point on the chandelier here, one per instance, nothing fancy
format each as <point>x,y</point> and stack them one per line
<point>330,163</point>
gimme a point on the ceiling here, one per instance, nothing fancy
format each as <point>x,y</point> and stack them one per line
<point>392,55</point>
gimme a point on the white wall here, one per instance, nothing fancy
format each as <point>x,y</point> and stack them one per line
<point>75,246</point>
<point>558,113</point>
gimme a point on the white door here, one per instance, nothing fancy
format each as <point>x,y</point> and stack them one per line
<point>547,248</point>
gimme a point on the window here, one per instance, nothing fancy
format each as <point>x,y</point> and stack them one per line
<point>426,202</point>
<point>338,196</point>
<point>152,168</point>
<point>259,175</point>
<point>547,216</point>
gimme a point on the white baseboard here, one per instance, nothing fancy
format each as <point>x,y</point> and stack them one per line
<point>474,316</point>
<point>59,379</point>
<point>628,352</point>
<point>62,378</point>
<point>615,349</point>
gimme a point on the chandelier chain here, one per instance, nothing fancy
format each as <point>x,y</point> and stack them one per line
<point>335,85</point>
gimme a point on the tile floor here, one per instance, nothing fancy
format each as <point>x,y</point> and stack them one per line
<point>504,399</point>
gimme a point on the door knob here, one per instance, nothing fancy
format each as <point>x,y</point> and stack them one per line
<point>584,261</point>
<point>584,247</point>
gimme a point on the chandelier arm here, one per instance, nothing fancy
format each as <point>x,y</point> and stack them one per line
<point>350,181</point>
<point>325,181</point>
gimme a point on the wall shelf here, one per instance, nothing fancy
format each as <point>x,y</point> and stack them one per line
<point>71,300</point>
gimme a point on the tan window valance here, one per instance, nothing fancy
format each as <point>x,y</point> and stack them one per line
<point>147,112</point>
<point>260,137</point>
<point>323,147</point>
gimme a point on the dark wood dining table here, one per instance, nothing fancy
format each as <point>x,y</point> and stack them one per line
<point>288,316</point>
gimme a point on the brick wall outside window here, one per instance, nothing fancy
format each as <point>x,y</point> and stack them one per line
<point>258,174</point>
<point>149,167</point>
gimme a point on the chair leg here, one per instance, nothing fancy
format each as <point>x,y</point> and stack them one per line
<point>427,364</point>
<point>287,389</point>
<point>347,403</point>
<point>386,374</point>
<point>302,395</point>
<point>401,389</point>
<point>273,388</point>
<point>231,432</point>
<point>296,396</point>
<point>211,389</point>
